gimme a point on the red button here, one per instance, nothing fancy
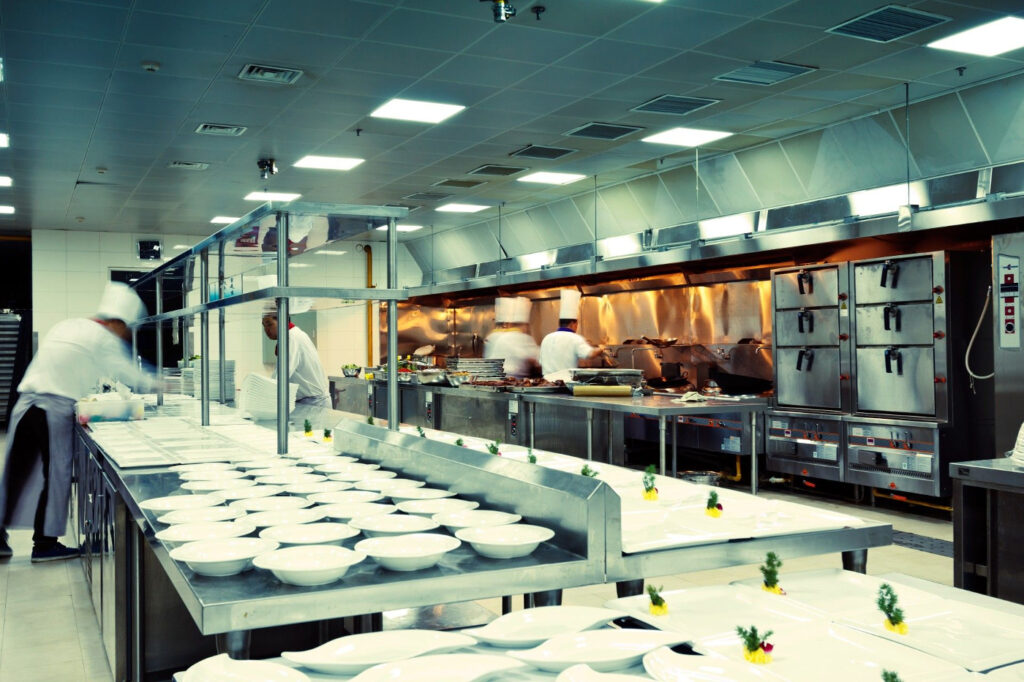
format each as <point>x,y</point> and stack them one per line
<point>1008,310</point>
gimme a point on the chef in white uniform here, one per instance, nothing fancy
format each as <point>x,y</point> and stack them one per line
<point>511,340</point>
<point>564,348</point>
<point>304,368</point>
<point>74,357</point>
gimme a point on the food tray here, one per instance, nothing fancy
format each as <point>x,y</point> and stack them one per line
<point>537,389</point>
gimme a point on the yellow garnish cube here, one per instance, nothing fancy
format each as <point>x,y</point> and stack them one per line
<point>328,439</point>
<point>307,434</point>
<point>651,495</point>
<point>658,609</point>
<point>774,590</point>
<point>898,628</point>
<point>757,656</point>
<point>712,512</point>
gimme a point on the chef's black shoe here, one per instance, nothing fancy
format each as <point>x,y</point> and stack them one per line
<point>52,552</point>
<point>5,549</point>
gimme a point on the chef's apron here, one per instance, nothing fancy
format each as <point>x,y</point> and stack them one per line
<point>315,401</point>
<point>21,472</point>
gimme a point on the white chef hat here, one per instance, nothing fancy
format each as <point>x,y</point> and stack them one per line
<point>503,309</point>
<point>569,308</point>
<point>296,306</point>
<point>520,310</point>
<point>120,302</point>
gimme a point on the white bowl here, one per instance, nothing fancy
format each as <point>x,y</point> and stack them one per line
<point>266,463</point>
<point>290,479</point>
<point>386,484</point>
<point>204,466</point>
<point>211,475</point>
<point>309,564</point>
<point>278,469</point>
<point>250,492</point>
<point>412,552</point>
<point>473,518</point>
<point>317,487</point>
<point>209,486</point>
<point>505,542</point>
<point>317,460</point>
<point>403,494</point>
<point>441,506</point>
<point>346,497</point>
<point>217,558</point>
<point>361,475</point>
<point>323,533</point>
<point>275,503</point>
<point>172,502</point>
<point>336,467</point>
<point>530,627</point>
<point>355,509</point>
<point>222,668</point>
<point>285,517</point>
<point>201,514</point>
<point>208,530</point>
<point>603,650</point>
<point>354,653</point>
<point>383,525</point>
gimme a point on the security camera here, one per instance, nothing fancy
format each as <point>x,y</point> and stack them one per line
<point>503,10</point>
<point>267,168</point>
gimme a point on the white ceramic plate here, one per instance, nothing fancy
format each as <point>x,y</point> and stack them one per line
<point>317,487</point>
<point>309,564</point>
<point>442,668</point>
<point>266,463</point>
<point>338,467</point>
<point>317,460</point>
<point>530,627</point>
<point>290,479</point>
<point>346,497</point>
<point>356,509</point>
<point>212,530</point>
<point>284,517</point>
<point>584,673</point>
<point>250,492</point>
<point>602,650</point>
<point>355,653</point>
<point>222,668</point>
<point>403,494</point>
<point>383,525</point>
<point>174,502</point>
<point>211,475</point>
<point>275,503</point>
<point>205,466</point>
<point>387,484</point>
<point>210,486</point>
<point>505,542</point>
<point>441,506</point>
<point>473,518</point>
<point>322,533</point>
<point>218,558</point>
<point>667,666</point>
<point>202,514</point>
<point>412,552</point>
<point>361,475</point>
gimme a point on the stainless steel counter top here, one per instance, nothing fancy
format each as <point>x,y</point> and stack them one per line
<point>652,406</point>
<point>987,472</point>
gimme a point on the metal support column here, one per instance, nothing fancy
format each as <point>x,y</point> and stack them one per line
<point>204,336</point>
<point>533,429</point>
<point>753,455</point>
<point>393,396</point>
<point>590,433</point>
<point>661,445</point>
<point>282,335</point>
<point>159,341</point>
<point>221,351</point>
<point>675,443</point>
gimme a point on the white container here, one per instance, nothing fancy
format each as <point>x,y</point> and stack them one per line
<point>385,525</point>
<point>317,487</point>
<point>385,484</point>
<point>505,542</point>
<point>360,475</point>
<point>285,517</point>
<point>213,530</point>
<point>321,533</point>
<point>274,503</point>
<point>355,510</point>
<point>309,564</point>
<point>354,653</point>
<point>109,410</point>
<point>172,502</point>
<point>211,475</point>
<point>413,552</point>
<point>248,493</point>
<point>218,558</point>
<point>223,484</point>
<point>201,514</point>
<point>431,507</point>
<point>476,518</point>
<point>346,497</point>
<point>403,494</point>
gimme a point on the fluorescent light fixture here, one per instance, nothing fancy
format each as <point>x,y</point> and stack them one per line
<point>5,181</point>
<point>552,178</point>
<point>5,140</point>
<point>727,226</point>
<point>987,40</point>
<point>300,265</point>
<point>182,246</point>
<point>460,208</point>
<point>687,137</point>
<point>339,163</point>
<point>401,227</point>
<point>330,252</point>
<point>271,196</point>
<point>222,220</point>
<point>413,110</point>
<point>613,247</point>
<point>7,209</point>
<point>536,261</point>
<point>885,199</point>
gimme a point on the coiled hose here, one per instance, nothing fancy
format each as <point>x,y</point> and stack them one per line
<point>970,344</point>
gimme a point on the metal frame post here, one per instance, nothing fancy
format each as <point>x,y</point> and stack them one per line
<point>204,337</point>
<point>282,335</point>
<point>222,345</point>
<point>392,327</point>
<point>160,341</point>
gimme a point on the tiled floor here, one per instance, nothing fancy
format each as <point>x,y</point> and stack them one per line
<point>48,630</point>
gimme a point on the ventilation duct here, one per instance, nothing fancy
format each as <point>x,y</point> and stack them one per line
<point>189,165</point>
<point>463,184</point>
<point>220,129</point>
<point>535,151</point>
<point>889,23</point>
<point>675,105</point>
<point>493,169</point>
<point>764,73</point>
<point>603,131</point>
<point>273,75</point>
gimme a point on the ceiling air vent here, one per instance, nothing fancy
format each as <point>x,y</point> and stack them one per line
<point>464,184</point>
<point>765,73</point>
<point>189,165</point>
<point>220,129</point>
<point>275,75</point>
<point>889,23</point>
<point>427,196</point>
<point>603,131</point>
<point>675,105</point>
<point>493,169</point>
<point>534,151</point>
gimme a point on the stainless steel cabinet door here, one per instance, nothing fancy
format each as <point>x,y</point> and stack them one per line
<point>815,384</point>
<point>894,324</point>
<point>906,279</point>
<point>805,288</point>
<point>816,327</point>
<point>903,385</point>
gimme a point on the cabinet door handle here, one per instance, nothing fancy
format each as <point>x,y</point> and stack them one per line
<point>805,353</point>
<point>805,315</point>
<point>802,278</point>
<point>890,355</point>
<point>890,268</point>
<point>892,318</point>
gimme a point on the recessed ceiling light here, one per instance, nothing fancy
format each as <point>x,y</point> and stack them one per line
<point>182,246</point>
<point>460,208</point>
<point>5,140</point>
<point>330,252</point>
<point>551,178</point>
<point>6,209</point>
<point>222,220</point>
<point>413,110</point>
<point>401,228</point>
<point>987,40</point>
<point>340,163</point>
<point>687,137</point>
<point>300,265</point>
<point>271,196</point>
<point>5,181</point>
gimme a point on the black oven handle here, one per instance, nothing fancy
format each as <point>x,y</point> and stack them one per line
<point>802,277</point>
<point>805,315</point>
<point>804,353</point>
<point>890,268</point>
<point>892,317</point>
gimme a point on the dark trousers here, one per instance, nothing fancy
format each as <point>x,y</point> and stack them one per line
<point>31,438</point>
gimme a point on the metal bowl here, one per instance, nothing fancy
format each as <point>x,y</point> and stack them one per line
<point>701,477</point>
<point>405,377</point>
<point>458,378</point>
<point>349,372</point>
<point>431,377</point>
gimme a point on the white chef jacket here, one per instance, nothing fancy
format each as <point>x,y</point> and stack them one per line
<point>562,350</point>
<point>304,368</point>
<point>518,348</point>
<point>74,356</point>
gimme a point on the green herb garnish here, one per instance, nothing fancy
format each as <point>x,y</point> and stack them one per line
<point>655,594</point>
<point>307,426</point>
<point>419,430</point>
<point>327,433</point>
<point>369,420</point>
<point>890,676</point>
<point>713,501</point>
<point>754,640</point>
<point>350,366</point>
<point>887,604</point>
<point>649,478</point>
<point>493,448</point>
<point>588,472</point>
<point>461,443</point>
<point>530,457</point>
<point>770,569</point>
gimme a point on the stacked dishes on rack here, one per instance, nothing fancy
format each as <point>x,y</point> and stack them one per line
<point>479,368</point>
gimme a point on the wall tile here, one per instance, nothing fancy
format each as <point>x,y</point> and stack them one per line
<point>49,240</point>
<point>48,261</point>
<point>117,243</point>
<point>83,241</point>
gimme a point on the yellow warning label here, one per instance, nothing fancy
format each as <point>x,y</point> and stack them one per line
<point>938,299</point>
<point>843,306</point>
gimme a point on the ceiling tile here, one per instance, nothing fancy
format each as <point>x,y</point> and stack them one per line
<point>843,87</point>
<point>395,59</point>
<point>636,91</point>
<point>242,11</point>
<point>150,28</point>
<point>781,106</point>
<point>427,30</point>
<point>182,63</point>
<point>349,19</point>
<point>526,102</point>
<point>97,54</point>
<point>765,40</point>
<point>143,123</point>
<point>839,52</point>
<point>914,63</point>
<point>586,110</point>
<point>155,85</point>
<point>41,95</point>
<point>235,114</point>
<point>824,14</point>
<point>977,70</point>
<point>483,71</point>
<point>285,48</point>
<point>134,104</point>
<point>55,75</point>
<point>450,93</point>
<point>839,112</point>
<point>230,90</point>
<point>376,85</point>
<point>560,81</point>
<point>64,18</point>
<point>527,43</point>
<point>679,28</point>
<point>693,67</point>
<point>587,17</point>
<point>615,56</point>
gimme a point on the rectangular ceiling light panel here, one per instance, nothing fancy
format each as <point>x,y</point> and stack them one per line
<point>603,131</point>
<point>493,169</point>
<point>987,40</point>
<point>414,110</point>
<point>338,163</point>
<point>552,178</point>
<point>675,105</point>
<point>273,75</point>
<point>461,208</point>
<point>535,151</point>
<point>687,137</point>
<point>221,129</point>
<point>764,73</point>
<point>271,196</point>
<point>6,181</point>
<point>6,210</point>
<point>5,140</point>
<point>889,23</point>
<point>401,228</point>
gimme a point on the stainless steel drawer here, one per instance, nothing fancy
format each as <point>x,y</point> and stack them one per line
<point>902,383</point>
<point>807,288</point>
<point>899,279</point>
<point>894,324</point>
<point>813,327</point>
<point>808,377</point>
